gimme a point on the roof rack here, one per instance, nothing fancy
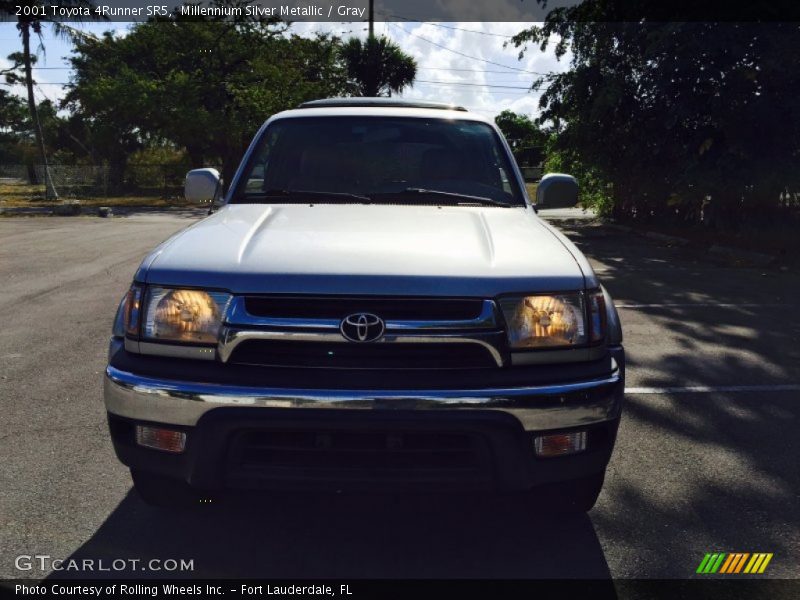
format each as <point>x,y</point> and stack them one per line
<point>380,102</point>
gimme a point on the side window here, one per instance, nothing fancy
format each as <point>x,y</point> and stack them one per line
<point>255,182</point>
<point>505,177</point>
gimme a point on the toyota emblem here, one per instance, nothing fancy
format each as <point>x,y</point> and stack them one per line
<point>362,327</point>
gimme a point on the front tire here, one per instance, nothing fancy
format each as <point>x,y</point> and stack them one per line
<point>157,490</point>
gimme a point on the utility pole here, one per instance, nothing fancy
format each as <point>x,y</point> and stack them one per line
<point>50,189</point>
<point>371,19</point>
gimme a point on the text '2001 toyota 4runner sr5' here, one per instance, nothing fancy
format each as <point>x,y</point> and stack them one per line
<point>374,304</point>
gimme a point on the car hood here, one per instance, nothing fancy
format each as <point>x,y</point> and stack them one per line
<point>368,249</point>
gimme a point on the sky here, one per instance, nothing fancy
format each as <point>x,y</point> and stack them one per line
<point>462,63</point>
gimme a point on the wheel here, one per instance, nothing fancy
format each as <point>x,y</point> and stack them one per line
<point>576,496</point>
<point>158,490</point>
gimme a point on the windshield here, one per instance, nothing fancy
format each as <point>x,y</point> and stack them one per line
<point>379,159</point>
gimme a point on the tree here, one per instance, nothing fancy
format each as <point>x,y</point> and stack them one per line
<point>13,121</point>
<point>204,85</point>
<point>520,130</point>
<point>675,119</point>
<point>27,24</point>
<point>525,137</point>
<point>106,100</point>
<point>377,66</point>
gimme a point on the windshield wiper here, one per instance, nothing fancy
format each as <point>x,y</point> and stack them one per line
<point>282,193</point>
<point>461,199</point>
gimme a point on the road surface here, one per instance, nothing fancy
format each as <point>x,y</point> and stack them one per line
<point>706,458</point>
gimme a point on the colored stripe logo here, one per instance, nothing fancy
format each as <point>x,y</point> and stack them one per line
<point>734,563</point>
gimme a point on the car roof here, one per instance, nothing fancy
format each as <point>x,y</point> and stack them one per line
<point>384,102</point>
<point>381,110</point>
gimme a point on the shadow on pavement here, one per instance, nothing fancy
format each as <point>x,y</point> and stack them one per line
<point>732,482</point>
<point>345,536</point>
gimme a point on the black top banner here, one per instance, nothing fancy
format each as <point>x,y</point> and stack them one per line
<point>403,10</point>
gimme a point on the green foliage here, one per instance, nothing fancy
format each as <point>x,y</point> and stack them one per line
<point>526,139</point>
<point>377,66</point>
<point>14,126</point>
<point>595,192</point>
<point>13,114</point>
<point>159,154</point>
<point>680,120</point>
<point>520,130</point>
<point>205,86</point>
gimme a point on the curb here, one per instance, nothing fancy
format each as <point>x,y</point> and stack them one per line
<point>753,257</point>
<point>666,238</point>
<point>756,258</point>
<point>67,209</point>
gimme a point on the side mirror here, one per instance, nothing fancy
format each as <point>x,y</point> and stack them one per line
<point>557,190</point>
<point>202,185</point>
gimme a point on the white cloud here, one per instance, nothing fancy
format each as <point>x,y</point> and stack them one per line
<point>474,69</point>
<point>457,62</point>
<point>45,88</point>
<point>460,62</point>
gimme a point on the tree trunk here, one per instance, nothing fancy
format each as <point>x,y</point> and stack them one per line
<point>50,190</point>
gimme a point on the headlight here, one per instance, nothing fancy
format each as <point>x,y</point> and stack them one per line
<point>545,321</point>
<point>176,315</point>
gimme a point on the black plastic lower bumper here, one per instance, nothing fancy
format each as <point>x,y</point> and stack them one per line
<point>247,449</point>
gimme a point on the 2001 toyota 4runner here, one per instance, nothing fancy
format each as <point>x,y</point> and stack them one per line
<point>374,304</point>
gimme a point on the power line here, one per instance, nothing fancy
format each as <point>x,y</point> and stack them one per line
<point>40,83</point>
<point>423,86</point>
<point>472,84</point>
<point>46,97</point>
<point>418,68</point>
<point>478,93</point>
<point>490,62</point>
<point>463,69</point>
<point>416,81</point>
<point>500,35</point>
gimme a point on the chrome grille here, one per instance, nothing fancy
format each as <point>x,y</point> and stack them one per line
<point>360,356</point>
<point>406,309</point>
<point>419,333</point>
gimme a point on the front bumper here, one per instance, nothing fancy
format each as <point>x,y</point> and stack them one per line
<point>496,426</point>
<point>554,406</point>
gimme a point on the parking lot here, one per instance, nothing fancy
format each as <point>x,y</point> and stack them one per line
<point>706,459</point>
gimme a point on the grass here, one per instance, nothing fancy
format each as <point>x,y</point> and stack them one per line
<point>23,195</point>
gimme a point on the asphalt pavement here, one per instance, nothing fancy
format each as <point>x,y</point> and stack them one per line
<point>706,459</point>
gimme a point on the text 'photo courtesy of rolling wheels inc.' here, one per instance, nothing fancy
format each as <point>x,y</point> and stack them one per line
<point>383,299</point>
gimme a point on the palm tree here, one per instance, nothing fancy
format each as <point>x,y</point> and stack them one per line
<point>28,24</point>
<point>25,30</point>
<point>377,66</point>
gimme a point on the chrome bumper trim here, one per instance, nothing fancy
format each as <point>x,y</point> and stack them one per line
<point>536,407</point>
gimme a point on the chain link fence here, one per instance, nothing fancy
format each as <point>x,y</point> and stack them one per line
<point>98,181</point>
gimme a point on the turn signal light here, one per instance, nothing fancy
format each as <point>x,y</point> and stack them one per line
<point>167,440</point>
<point>560,444</point>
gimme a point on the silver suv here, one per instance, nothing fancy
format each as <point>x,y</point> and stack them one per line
<point>373,304</point>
